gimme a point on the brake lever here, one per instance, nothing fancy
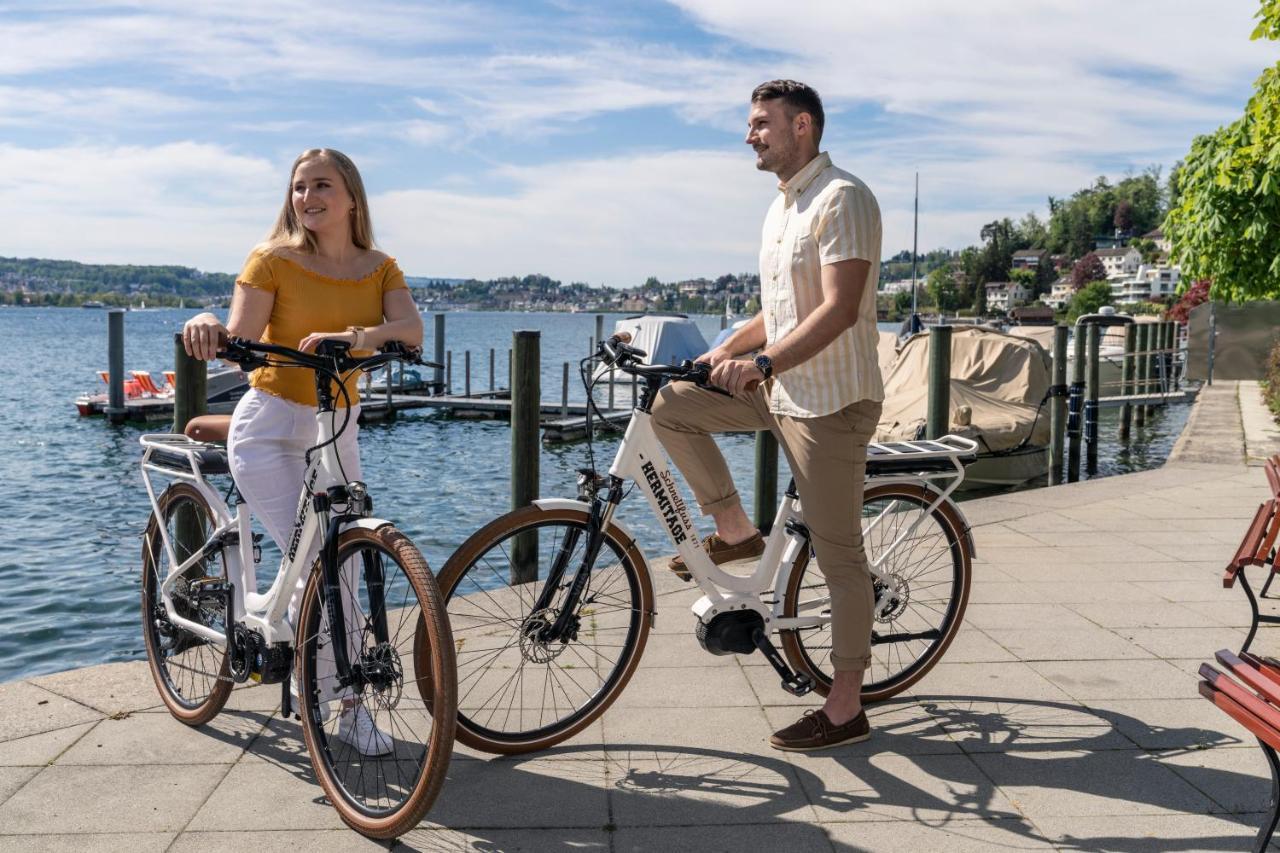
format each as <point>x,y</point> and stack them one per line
<point>701,376</point>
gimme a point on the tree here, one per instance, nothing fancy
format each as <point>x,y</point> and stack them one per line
<point>1089,299</point>
<point>1196,294</point>
<point>1024,277</point>
<point>1226,226</point>
<point>902,302</point>
<point>1087,269</point>
<point>1122,219</point>
<point>941,286</point>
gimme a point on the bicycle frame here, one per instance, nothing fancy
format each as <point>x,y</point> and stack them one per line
<point>265,612</point>
<point>640,457</point>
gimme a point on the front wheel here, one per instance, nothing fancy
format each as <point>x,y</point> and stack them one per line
<point>521,688</point>
<point>380,743</point>
<point>932,567</point>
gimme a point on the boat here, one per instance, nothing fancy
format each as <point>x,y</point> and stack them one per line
<point>666,338</point>
<point>93,303</point>
<point>999,398</point>
<point>226,385</point>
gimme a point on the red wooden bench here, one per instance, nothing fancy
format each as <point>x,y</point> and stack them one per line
<point>1272,469</point>
<point>1249,692</point>
<point>1258,548</point>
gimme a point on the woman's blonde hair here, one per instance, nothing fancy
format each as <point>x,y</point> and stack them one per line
<point>289,233</point>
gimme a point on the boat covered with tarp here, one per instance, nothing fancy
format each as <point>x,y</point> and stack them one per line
<point>999,398</point>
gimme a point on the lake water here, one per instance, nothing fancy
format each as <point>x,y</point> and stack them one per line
<point>73,505</point>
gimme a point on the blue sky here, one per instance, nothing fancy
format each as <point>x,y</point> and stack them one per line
<point>597,142</point>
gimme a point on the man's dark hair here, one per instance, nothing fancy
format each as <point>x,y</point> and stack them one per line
<point>798,97</point>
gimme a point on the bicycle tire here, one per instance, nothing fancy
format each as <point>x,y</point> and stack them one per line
<point>422,736</point>
<point>471,584</point>
<point>192,676</point>
<point>942,549</point>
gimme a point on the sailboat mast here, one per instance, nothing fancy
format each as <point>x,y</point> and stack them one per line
<point>915,243</point>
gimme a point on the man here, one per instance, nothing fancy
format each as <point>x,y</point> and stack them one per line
<point>815,384</point>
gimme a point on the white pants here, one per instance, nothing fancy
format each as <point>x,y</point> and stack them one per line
<point>266,448</point>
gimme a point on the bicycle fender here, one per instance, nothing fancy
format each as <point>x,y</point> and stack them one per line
<point>566,503</point>
<point>366,523</point>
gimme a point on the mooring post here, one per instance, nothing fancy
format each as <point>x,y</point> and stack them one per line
<point>115,410</point>
<point>1166,358</point>
<point>1179,364</point>
<point>1126,379</point>
<point>526,405</point>
<point>492,378</point>
<point>564,392</point>
<point>391,400</point>
<point>191,385</point>
<point>1075,405</point>
<point>439,357</point>
<point>766,480</point>
<point>1091,400</point>
<point>1144,368</point>
<point>939,412</point>
<point>599,329</point>
<point>466,382</point>
<point>448,373</point>
<point>1058,405</point>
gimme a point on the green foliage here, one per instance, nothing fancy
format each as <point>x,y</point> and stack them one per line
<point>1271,381</point>
<point>1089,299</point>
<point>1226,225</point>
<point>157,285</point>
<point>942,289</point>
<point>1025,277</point>
<point>1135,205</point>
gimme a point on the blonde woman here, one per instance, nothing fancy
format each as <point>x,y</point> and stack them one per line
<point>317,276</point>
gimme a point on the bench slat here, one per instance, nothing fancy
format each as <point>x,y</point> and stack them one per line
<point>1254,705</point>
<point>1272,469</point>
<point>1249,544</point>
<point>1261,730</point>
<point>1252,675</point>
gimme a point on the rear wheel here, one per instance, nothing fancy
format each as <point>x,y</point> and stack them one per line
<point>191,673</point>
<point>520,689</point>
<point>932,565</point>
<point>382,772</point>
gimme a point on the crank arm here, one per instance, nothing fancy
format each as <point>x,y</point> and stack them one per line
<point>795,683</point>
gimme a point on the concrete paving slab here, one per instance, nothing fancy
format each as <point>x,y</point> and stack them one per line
<point>287,841</point>
<point>1101,783</point>
<point>98,842</point>
<point>952,836</point>
<point>27,710</point>
<point>742,729</point>
<point>1113,614</point>
<point>533,793</point>
<point>112,688</point>
<point>1022,615</point>
<point>1185,642</point>
<point>1166,724</point>
<point>1048,643</point>
<point>160,739</point>
<point>1131,679</point>
<point>1237,780</point>
<point>264,795</point>
<point>1027,591</point>
<point>1147,834</point>
<point>39,750</point>
<point>733,838</point>
<point>973,646</point>
<point>1013,681</point>
<point>897,728</point>
<point>515,840</point>
<point>13,778</point>
<point>685,687</point>
<point>109,799</point>
<point>994,724</point>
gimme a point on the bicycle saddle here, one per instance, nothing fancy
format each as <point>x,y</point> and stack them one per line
<point>210,428</point>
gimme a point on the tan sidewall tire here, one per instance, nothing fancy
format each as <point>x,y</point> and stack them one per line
<point>791,646</point>
<point>480,541</point>
<point>152,543</point>
<point>443,679</point>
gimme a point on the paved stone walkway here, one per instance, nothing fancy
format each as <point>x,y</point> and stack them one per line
<point>1064,717</point>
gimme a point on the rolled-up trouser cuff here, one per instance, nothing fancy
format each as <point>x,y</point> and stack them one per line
<point>727,502</point>
<point>840,664</point>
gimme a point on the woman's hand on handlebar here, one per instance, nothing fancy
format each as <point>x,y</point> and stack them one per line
<point>203,335</point>
<point>311,341</point>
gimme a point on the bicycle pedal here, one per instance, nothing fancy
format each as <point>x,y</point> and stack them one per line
<point>798,685</point>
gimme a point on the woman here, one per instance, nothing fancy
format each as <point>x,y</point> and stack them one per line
<point>316,277</point>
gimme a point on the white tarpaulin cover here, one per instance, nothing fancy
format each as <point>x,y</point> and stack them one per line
<point>1001,378</point>
<point>667,339</point>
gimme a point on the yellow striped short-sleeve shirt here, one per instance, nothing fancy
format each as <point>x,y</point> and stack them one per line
<point>823,215</point>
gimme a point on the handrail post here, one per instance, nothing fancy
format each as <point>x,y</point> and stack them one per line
<point>939,413</point>
<point>1091,400</point>
<point>1075,405</point>
<point>526,397</point>
<point>1126,379</point>
<point>766,480</point>
<point>191,385</point>
<point>1058,406</point>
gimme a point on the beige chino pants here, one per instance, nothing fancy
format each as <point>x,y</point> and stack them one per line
<point>828,457</point>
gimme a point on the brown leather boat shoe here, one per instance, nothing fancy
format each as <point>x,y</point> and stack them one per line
<point>721,552</point>
<point>815,731</point>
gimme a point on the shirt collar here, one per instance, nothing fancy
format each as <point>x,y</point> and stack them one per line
<point>800,180</point>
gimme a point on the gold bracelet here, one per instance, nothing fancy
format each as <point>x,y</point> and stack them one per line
<point>359,333</point>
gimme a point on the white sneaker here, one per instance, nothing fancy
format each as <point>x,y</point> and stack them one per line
<point>356,727</point>
<point>325,713</point>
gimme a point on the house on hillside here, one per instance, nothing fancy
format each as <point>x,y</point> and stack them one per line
<point>1060,295</point>
<point>1030,259</point>
<point>1151,283</point>
<point>1157,236</point>
<point>1003,295</point>
<point>1119,263</point>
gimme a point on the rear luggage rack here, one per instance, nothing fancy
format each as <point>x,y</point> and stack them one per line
<point>949,453</point>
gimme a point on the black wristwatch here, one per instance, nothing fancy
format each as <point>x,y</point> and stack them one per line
<point>764,364</point>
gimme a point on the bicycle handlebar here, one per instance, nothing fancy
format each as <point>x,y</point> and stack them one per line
<point>615,351</point>
<point>329,355</point>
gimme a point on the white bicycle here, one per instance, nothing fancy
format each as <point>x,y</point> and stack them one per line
<point>206,626</point>
<point>551,604</point>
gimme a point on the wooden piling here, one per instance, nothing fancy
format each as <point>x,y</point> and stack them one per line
<point>1127,376</point>
<point>1058,406</point>
<point>1075,405</point>
<point>564,392</point>
<point>390,394</point>
<point>448,373</point>
<point>466,385</point>
<point>766,480</point>
<point>439,349</point>
<point>1143,368</point>
<point>1091,400</point>
<point>191,385</point>
<point>526,396</point>
<point>599,329</point>
<point>115,410</point>
<point>492,380</point>
<point>939,413</point>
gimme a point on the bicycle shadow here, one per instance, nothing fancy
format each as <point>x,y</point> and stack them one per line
<point>579,795</point>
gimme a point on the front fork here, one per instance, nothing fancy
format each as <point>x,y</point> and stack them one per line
<point>565,627</point>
